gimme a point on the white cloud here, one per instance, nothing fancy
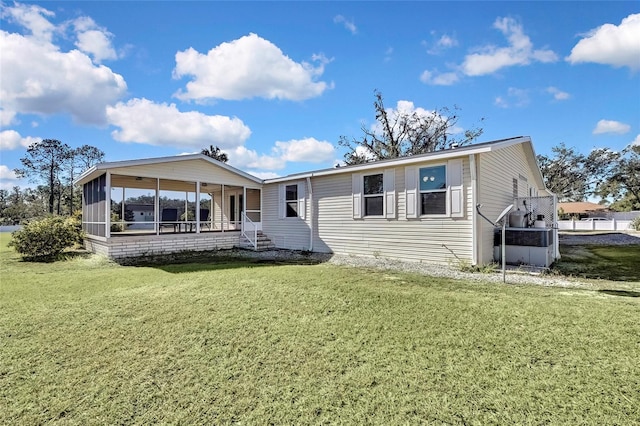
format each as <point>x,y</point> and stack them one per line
<point>37,77</point>
<point>10,139</point>
<point>609,44</point>
<point>520,51</point>
<point>515,98</point>
<point>265,175</point>
<point>7,117</point>
<point>611,126</point>
<point>636,141</point>
<point>94,40</point>
<point>33,18</point>
<point>558,94</point>
<point>7,173</point>
<point>244,158</point>
<point>307,150</point>
<point>444,42</point>
<point>8,178</point>
<point>248,67</point>
<point>143,121</point>
<point>439,79</point>
<point>349,25</point>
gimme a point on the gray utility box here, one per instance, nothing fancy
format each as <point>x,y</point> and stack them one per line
<point>525,246</point>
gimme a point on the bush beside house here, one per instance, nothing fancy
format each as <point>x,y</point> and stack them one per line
<point>46,239</point>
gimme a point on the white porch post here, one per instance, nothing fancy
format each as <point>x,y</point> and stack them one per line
<point>156,208</point>
<point>107,205</point>
<point>244,207</point>
<point>186,210</point>
<point>122,216</point>
<point>223,211</point>
<point>197,207</point>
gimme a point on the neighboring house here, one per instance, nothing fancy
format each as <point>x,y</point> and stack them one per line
<point>580,209</point>
<point>141,214</point>
<point>418,208</point>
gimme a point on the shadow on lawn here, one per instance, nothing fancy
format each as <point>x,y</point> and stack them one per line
<point>179,263</point>
<point>622,293</point>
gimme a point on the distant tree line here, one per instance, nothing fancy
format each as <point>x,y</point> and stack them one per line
<point>610,175</point>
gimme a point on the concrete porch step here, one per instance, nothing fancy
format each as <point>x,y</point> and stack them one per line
<point>264,243</point>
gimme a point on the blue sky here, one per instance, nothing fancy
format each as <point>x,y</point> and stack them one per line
<point>275,84</point>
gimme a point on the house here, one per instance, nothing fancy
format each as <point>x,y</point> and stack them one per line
<point>419,208</point>
<point>581,209</point>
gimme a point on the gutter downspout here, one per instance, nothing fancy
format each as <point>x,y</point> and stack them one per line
<point>310,189</point>
<point>474,201</point>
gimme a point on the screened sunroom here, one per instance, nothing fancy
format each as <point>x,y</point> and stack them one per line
<point>168,204</point>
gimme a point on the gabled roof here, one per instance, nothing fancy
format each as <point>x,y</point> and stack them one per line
<point>430,156</point>
<point>99,169</point>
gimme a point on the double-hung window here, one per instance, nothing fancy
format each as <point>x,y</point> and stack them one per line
<point>291,200</point>
<point>433,190</point>
<point>373,195</point>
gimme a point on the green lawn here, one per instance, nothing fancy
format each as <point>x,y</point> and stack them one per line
<point>85,341</point>
<point>619,263</point>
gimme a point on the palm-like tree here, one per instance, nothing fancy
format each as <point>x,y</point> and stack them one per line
<point>215,153</point>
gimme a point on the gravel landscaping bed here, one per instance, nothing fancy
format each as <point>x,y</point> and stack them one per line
<point>515,275</point>
<point>607,238</point>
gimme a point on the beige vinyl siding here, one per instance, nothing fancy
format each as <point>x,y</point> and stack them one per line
<point>496,171</point>
<point>290,232</point>
<point>188,170</point>
<point>422,239</point>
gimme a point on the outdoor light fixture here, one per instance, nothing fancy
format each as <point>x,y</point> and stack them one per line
<point>138,178</point>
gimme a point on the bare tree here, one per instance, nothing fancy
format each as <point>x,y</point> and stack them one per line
<point>400,133</point>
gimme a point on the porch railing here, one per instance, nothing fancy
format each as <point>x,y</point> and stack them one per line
<point>250,230</point>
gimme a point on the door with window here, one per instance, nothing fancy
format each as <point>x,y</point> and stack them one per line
<point>235,207</point>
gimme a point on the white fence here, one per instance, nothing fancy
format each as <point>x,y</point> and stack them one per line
<point>594,225</point>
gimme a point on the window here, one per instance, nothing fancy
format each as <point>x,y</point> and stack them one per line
<point>373,195</point>
<point>433,190</point>
<point>291,200</point>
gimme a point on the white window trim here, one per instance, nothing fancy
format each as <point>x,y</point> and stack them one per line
<point>376,195</point>
<point>389,208</point>
<point>447,193</point>
<point>454,191</point>
<point>282,201</point>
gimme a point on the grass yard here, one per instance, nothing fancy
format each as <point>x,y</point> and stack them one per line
<point>618,263</point>
<point>85,341</point>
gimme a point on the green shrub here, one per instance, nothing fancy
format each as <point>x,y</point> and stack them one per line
<point>46,239</point>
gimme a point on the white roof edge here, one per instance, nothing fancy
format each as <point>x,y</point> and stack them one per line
<point>431,156</point>
<point>158,160</point>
